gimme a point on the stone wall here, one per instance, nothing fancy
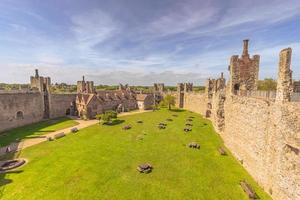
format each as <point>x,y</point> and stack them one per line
<point>263,134</point>
<point>60,104</point>
<point>195,101</point>
<point>265,137</point>
<point>20,109</point>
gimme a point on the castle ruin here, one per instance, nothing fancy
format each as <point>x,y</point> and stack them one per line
<point>262,131</point>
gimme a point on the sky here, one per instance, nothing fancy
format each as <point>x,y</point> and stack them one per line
<point>141,41</point>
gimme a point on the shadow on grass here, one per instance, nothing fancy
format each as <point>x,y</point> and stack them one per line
<point>114,122</point>
<point>29,131</point>
<point>35,136</point>
<point>177,110</point>
<point>3,179</point>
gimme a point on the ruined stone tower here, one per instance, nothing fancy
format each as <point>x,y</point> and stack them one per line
<point>85,86</point>
<point>284,81</point>
<point>159,87</point>
<point>180,95</point>
<point>182,88</point>
<point>188,87</point>
<point>243,71</point>
<point>42,84</point>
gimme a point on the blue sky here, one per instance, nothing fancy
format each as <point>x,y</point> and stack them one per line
<point>140,41</point>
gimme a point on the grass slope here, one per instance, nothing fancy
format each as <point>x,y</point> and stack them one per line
<point>35,130</point>
<point>99,162</point>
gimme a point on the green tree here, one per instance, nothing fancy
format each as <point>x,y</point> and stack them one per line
<point>169,101</point>
<point>108,116</point>
<point>268,84</point>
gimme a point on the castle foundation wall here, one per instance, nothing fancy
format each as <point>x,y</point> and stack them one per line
<point>19,109</point>
<point>60,104</point>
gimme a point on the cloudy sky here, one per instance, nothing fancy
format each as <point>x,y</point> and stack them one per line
<point>141,41</point>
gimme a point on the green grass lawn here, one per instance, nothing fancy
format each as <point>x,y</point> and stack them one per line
<point>99,162</point>
<point>35,130</point>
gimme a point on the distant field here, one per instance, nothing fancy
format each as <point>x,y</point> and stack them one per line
<point>99,162</point>
<point>35,130</point>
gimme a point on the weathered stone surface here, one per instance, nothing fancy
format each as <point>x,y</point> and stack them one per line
<point>248,190</point>
<point>194,145</point>
<point>222,151</point>
<point>11,164</point>
<point>127,127</point>
<point>187,129</point>
<point>145,168</point>
<point>59,135</point>
<point>264,135</point>
<point>74,130</point>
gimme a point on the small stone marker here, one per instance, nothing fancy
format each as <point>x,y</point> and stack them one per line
<point>222,151</point>
<point>248,190</point>
<point>8,149</point>
<point>74,130</point>
<point>186,129</point>
<point>162,125</point>
<point>189,120</point>
<point>59,135</point>
<point>194,145</point>
<point>189,124</point>
<point>145,168</point>
<point>127,127</point>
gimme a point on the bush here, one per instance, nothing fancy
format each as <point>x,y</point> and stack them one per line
<point>168,101</point>
<point>108,116</point>
<point>98,117</point>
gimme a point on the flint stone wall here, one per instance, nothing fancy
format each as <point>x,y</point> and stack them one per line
<point>262,134</point>
<point>30,104</point>
<point>59,103</point>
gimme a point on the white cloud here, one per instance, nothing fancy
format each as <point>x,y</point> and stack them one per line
<point>265,12</point>
<point>93,27</point>
<point>182,17</point>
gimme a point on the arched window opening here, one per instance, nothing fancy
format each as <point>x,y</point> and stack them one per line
<point>208,113</point>
<point>19,115</point>
<point>68,111</point>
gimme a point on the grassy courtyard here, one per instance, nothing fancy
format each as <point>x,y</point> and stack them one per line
<point>99,162</point>
<point>35,130</point>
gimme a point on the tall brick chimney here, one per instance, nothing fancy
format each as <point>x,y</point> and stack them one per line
<point>36,73</point>
<point>245,48</point>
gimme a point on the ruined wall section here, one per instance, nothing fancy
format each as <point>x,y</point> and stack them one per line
<point>61,104</point>
<point>196,102</point>
<point>284,152</point>
<point>19,109</point>
<point>265,137</point>
<point>246,132</point>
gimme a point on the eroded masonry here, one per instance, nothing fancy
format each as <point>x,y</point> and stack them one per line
<point>262,129</point>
